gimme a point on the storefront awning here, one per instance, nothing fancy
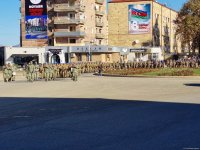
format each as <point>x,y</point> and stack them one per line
<point>24,55</point>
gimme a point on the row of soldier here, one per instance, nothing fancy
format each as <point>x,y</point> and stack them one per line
<point>64,70</point>
<point>52,71</point>
<point>49,72</point>
<point>183,63</point>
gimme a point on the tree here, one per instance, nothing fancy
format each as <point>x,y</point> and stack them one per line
<point>188,25</point>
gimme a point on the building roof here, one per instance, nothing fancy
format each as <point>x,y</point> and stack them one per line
<point>122,1</point>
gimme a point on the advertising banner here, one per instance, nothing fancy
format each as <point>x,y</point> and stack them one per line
<point>139,18</point>
<point>36,19</point>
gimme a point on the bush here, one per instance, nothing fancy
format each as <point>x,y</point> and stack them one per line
<point>129,72</point>
<point>177,72</point>
<point>159,72</point>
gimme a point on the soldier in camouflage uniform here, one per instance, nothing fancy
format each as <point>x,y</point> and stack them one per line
<point>37,68</point>
<point>41,71</point>
<point>30,72</point>
<point>46,72</point>
<point>51,71</point>
<point>14,69</point>
<point>7,73</point>
<point>74,71</point>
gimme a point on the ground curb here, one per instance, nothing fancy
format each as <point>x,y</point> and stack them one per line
<point>143,76</point>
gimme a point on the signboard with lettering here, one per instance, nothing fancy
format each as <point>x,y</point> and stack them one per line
<point>36,19</point>
<point>139,18</point>
<point>55,51</point>
<point>138,50</point>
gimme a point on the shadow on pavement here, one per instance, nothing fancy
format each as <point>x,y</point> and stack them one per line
<point>97,124</point>
<point>193,84</point>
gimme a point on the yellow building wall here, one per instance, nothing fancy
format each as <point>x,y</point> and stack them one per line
<point>116,57</point>
<point>74,59</point>
<point>84,57</point>
<point>96,57</point>
<point>99,57</point>
<point>118,25</point>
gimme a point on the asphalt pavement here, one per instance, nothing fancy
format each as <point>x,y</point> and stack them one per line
<point>100,113</point>
<point>97,124</point>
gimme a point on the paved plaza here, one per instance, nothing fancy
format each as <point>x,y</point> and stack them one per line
<point>100,113</point>
<point>183,89</point>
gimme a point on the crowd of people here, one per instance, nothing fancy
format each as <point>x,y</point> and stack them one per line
<point>49,72</point>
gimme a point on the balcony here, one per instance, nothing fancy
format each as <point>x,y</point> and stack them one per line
<point>99,12</point>
<point>66,20</point>
<point>68,8</point>
<point>99,36</point>
<point>69,34</point>
<point>99,24</point>
<point>99,1</point>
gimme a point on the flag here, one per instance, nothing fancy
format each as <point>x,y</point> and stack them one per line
<point>138,13</point>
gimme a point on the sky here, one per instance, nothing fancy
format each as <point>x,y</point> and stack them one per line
<point>10,20</point>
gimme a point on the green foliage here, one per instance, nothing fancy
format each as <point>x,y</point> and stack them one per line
<point>188,24</point>
<point>197,72</point>
<point>176,72</point>
<point>157,72</point>
<point>130,72</point>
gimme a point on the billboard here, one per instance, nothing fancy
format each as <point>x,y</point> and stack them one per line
<point>139,18</point>
<point>36,19</point>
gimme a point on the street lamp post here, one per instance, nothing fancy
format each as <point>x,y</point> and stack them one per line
<point>41,59</point>
<point>89,51</point>
<point>89,59</point>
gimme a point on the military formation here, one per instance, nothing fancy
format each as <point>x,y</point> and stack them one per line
<point>50,72</point>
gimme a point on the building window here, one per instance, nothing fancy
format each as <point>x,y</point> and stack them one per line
<point>137,55</point>
<point>50,42</point>
<point>50,29</point>
<point>71,3</point>
<point>79,56</point>
<point>89,56</point>
<point>154,56</point>
<point>100,42</point>
<point>157,16</point>
<point>72,28</point>
<point>72,40</point>
<point>72,16</point>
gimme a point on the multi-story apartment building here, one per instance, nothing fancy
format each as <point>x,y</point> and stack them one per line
<point>142,23</point>
<point>67,22</point>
